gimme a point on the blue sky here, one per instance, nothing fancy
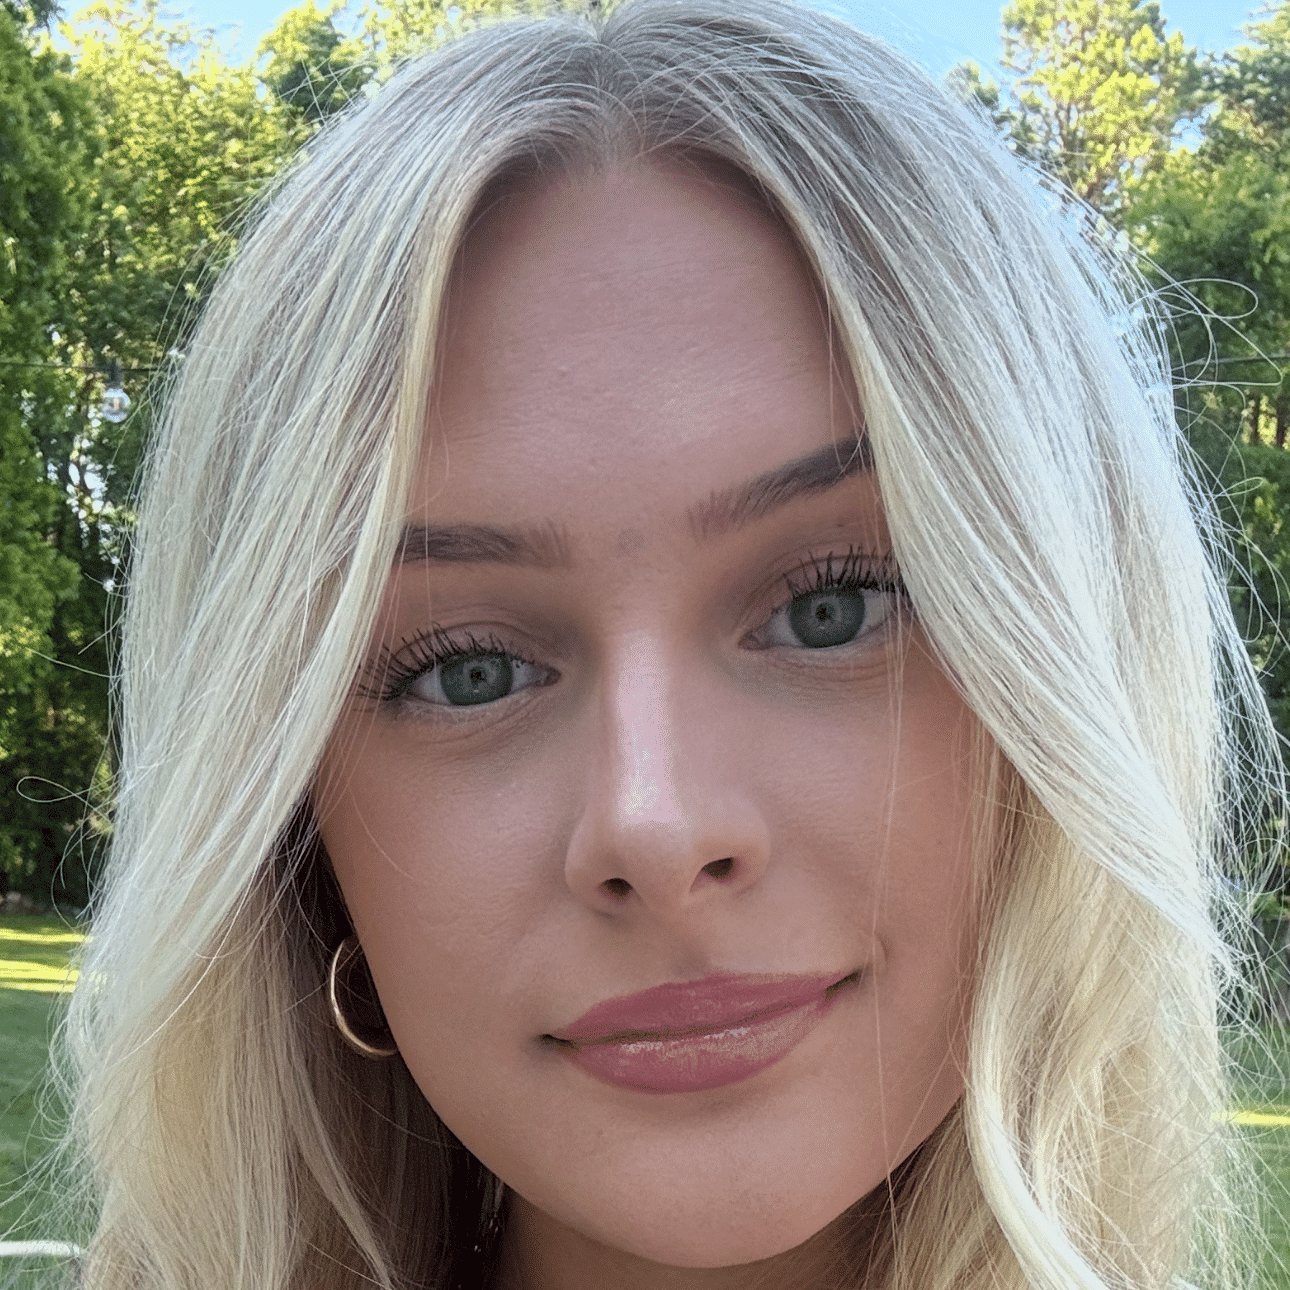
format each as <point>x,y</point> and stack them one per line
<point>938,33</point>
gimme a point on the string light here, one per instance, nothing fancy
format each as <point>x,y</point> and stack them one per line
<point>116,403</point>
<point>115,406</point>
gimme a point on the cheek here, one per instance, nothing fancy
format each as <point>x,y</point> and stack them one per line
<point>885,797</point>
<point>881,811</point>
<point>928,890</point>
<point>443,872</point>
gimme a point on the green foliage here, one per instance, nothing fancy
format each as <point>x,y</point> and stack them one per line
<point>45,149</point>
<point>315,62</point>
<point>1214,222</point>
<point>394,31</point>
<point>30,13</point>
<point>1251,84</point>
<point>1256,483</point>
<point>1095,90</point>
<point>1217,219</point>
<point>966,82</point>
<point>1220,227</point>
<point>391,31</point>
<point>310,67</point>
<point>34,961</point>
<point>172,147</point>
<point>186,144</point>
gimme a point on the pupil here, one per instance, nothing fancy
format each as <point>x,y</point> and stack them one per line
<point>479,678</point>
<point>821,619</point>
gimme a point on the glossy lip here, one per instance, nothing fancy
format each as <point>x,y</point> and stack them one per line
<point>688,1036</point>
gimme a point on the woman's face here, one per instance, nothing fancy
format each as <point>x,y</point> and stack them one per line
<point>652,810</point>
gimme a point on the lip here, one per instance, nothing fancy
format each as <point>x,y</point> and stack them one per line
<point>688,1036</point>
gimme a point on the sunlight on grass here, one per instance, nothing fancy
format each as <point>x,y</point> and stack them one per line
<point>1258,1119</point>
<point>34,937</point>
<point>17,975</point>
<point>35,980</point>
<point>33,958</point>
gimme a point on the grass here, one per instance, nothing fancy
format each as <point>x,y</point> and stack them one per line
<point>1262,1095</point>
<point>34,978</point>
<point>1273,1146</point>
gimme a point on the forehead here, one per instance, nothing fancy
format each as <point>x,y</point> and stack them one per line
<point>618,332</point>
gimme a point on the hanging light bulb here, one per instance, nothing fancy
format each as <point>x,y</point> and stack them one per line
<point>116,402</point>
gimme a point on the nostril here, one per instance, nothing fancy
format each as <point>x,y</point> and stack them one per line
<point>619,887</point>
<point>720,868</point>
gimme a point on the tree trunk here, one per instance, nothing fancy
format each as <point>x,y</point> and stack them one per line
<point>1254,412</point>
<point>1283,419</point>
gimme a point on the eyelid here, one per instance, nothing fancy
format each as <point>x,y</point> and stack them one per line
<point>873,572</point>
<point>856,570</point>
<point>394,671</point>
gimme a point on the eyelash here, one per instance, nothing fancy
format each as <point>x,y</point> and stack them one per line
<point>394,672</point>
<point>857,572</point>
<point>398,670</point>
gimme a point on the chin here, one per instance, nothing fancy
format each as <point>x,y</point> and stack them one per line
<point>724,1227</point>
<point>703,1244</point>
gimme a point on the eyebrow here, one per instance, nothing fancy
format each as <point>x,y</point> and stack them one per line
<point>817,472</point>
<point>548,548</point>
<point>536,547</point>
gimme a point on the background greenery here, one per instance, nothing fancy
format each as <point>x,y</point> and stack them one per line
<point>131,150</point>
<point>34,978</point>
<point>1262,1094</point>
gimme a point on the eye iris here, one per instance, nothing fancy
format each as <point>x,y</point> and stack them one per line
<point>823,618</point>
<point>477,678</point>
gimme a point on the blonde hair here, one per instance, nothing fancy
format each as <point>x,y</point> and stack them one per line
<point>1022,430</point>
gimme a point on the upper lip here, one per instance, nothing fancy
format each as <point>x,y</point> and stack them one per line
<point>680,1008</point>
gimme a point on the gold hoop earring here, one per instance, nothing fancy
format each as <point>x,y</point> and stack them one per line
<point>368,1040</point>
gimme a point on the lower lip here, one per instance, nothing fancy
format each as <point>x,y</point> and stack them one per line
<point>708,1059</point>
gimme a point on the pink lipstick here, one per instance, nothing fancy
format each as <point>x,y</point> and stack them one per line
<point>687,1036</point>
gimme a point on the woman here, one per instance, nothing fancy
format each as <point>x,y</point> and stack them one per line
<point>675,708</point>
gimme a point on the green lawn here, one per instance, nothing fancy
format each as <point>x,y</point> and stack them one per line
<point>1274,1177</point>
<point>33,982</point>
<point>1263,1093</point>
<point>34,979</point>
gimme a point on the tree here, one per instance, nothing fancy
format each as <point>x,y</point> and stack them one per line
<point>1217,232</point>
<point>1215,221</point>
<point>173,146</point>
<point>1251,85</point>
<point>1216,218</point>
<point>33,13</point>
<point>391,31</point>
<point>310,67</point>
<point>966,82</point>
<point>1095,90</point>
<point>45,149</point>
<point>186,144</point>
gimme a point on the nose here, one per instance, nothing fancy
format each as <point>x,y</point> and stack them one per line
<point>665,823</point>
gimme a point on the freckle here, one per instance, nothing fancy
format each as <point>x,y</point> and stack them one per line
<point>628,542</point>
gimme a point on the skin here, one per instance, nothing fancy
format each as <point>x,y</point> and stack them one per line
<point>678,785</point>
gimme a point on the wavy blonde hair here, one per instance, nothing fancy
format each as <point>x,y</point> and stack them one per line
<point>1023,436</point>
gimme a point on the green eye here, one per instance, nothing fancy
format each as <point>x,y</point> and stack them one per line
<point>821,619</point>
<point>454,670</point>
<point>476,678</point>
